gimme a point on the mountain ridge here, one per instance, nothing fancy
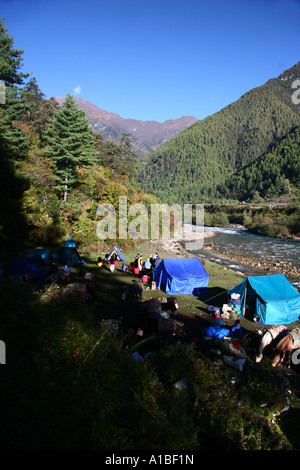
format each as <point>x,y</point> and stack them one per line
<point>193,165</point>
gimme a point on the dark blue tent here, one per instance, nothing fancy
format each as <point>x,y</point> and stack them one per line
<point>43,252</point>
<point>27,267</point>
<point>66,255</point>
<point>115,251</point>
<point>181,276</point>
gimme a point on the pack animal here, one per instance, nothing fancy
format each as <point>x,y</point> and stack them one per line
<point>286,346</point>
<point>154,307</point>
<point>62,276</point>
<point>77,289</point>
<point>90,280</point>
<point>135,291</point>
<point>270,336</point>
<point>149,313</point>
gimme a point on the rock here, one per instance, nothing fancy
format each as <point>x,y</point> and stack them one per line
<point>182,384</point>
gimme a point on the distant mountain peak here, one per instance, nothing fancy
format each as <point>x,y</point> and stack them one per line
<point>145,136</point>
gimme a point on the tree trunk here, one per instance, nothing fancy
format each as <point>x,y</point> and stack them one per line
<point>66,189</point>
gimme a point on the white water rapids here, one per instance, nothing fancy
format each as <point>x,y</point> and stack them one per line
<point>256,247</point>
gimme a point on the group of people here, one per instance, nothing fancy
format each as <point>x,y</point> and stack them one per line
<point>112,262</point>
<point>138,266</point>
<point>151,263</point>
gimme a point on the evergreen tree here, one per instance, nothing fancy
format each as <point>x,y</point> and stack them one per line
<point>11,59</point>
<point>41,111</point>
<point>71,144</point>
<point>12,142</point>
<point>120,159</point>
<point>13,105</point>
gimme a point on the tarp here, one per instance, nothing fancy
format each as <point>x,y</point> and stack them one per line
<point>27,267</point>
<point>273,298</point>
<point>66,255</point>
<point>181,276</point>
<point>117,252</point>
<point>215,332</point>
<point>70,242</point>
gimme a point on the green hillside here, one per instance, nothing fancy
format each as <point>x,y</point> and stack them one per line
<point>272,175</point>
<point>195,165</point>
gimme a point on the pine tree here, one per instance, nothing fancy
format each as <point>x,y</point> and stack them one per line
<point>70,144</point>
<point>119,158</point>
<point>11,59</point>
<point>13,105</point>
<point>41,111</point>
<point>12,140</point>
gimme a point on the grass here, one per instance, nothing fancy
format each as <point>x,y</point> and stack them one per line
<point>192,308</point>
<point>70,385</point>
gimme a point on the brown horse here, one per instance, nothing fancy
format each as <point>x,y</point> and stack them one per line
<point>286,346</point>
<point>269,337</point>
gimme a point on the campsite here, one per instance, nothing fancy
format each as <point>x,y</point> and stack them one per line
<point>112,338</point>
<point>96,373</point>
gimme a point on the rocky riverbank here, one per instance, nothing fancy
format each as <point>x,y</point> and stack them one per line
<point>261,264</point>
<point>175,246</point>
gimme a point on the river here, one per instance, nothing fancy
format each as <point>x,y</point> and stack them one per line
<point>253,254</point>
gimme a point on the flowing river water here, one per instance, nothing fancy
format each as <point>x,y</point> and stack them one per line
<point>253,254</point>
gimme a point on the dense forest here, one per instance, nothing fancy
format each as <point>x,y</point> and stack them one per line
<point>274,174</point>
<point>211,161</point>
<point>54,170</point>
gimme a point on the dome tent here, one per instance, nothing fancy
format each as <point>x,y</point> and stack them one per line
<point>43,252</point>
<point>29,268</point>
<point>115,253</point>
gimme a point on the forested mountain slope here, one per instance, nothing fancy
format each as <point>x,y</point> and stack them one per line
<point>275,173</point>
<point>195,165</point>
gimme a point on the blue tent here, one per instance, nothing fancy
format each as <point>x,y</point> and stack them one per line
<point>43,252</point>
<point>66,255</point>
<point>273,299</point>
<point>27,267</point>
<point>115,251</point>
<point>70,243</point>
<point>181,276</point>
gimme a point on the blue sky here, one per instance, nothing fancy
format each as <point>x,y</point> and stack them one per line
<point>154,59</point>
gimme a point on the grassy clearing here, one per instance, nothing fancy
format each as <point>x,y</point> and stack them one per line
<point>191,307</point>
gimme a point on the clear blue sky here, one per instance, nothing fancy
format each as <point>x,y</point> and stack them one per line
<point>154,59</point>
